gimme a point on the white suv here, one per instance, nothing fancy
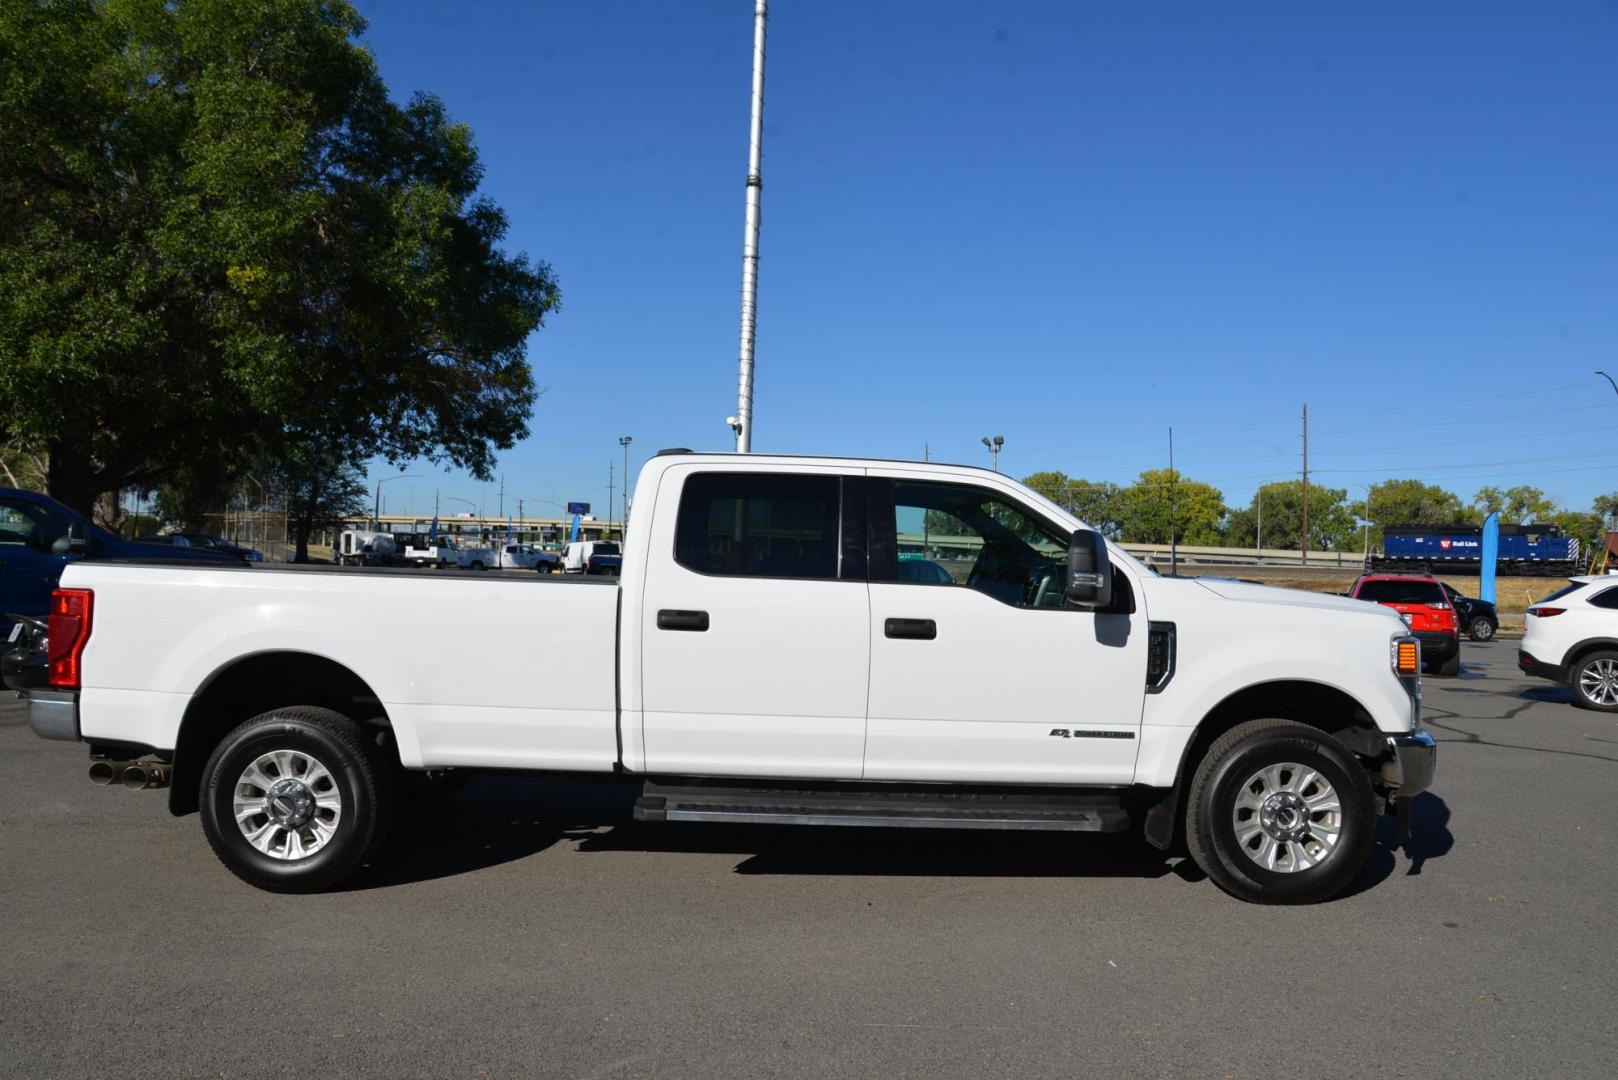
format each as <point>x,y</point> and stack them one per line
<point>1572,638</point>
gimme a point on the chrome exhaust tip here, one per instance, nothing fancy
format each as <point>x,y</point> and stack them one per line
<point>141,775</point>
<point>104,772</point>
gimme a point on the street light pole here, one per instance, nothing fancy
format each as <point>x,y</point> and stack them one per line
<point>994,446</point>
<point>376,500</point>
<point>742,422</point>
<point>624,441</point>
<point>1604,375</point>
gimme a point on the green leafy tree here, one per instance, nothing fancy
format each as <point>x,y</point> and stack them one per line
<point>1606,508</point>
<point>322,488</point>
<point>1096,503</point>
<point>1411,502</point>
<point>218,234</point>
<point>1521,504</point>
<point>1332,518</point>
<point>1160,497</point>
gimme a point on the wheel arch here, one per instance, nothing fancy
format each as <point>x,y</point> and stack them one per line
<point>1577,653</point>
<point>1320,705</point>
<point>253,683</point>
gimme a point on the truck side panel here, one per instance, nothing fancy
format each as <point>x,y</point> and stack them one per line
<point>471,670</point>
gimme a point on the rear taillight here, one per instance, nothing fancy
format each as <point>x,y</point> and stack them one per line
<point>66,633</point>
<point>1545,612</point>
<point>1440,606</point>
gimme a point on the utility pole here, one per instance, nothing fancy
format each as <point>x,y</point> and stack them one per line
<point>1260,501</point>
<point>502,494</point>
<point>609,498</point>
<point>742,422</point>
<point>1174,547</point>
<point>1304,544</point>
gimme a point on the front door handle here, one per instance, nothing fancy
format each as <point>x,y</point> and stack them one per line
<point>918,629</point>
<point>682,620</point>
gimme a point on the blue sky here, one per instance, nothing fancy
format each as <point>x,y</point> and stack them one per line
<point>1071,224</point>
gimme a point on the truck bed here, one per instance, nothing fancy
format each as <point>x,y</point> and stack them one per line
<point>470,668</point>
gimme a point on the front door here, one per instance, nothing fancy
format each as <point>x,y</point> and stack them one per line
<point>755,649</point>
<point>29,567</point>
<point>979,670</point>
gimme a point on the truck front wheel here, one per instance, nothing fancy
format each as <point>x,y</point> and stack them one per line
<point>296,799</point>
<point>1280,813</point>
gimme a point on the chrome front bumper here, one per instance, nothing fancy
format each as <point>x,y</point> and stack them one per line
<point>53,714</point>
<point>1412,760</point>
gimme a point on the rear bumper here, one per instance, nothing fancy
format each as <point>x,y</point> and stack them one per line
<point>1436,645</point>
<point>1412,760</point>
<point>54,714</point>
<point>1528,664</point>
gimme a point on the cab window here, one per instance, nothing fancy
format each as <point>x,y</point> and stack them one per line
<point>757,525</point>
<point>970,537</point>
<point>26,525</point>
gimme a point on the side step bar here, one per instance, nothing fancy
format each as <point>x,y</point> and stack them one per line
<point>888,806</point>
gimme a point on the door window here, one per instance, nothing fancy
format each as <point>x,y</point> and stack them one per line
<point>24,524</point>
<point>1606,599</point>
<point>955,535</point>
<point>773,525</point>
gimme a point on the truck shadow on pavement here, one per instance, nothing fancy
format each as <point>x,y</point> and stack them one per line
<point>502,819</point>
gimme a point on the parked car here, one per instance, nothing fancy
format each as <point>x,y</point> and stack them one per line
<point>208,541</point>
<point>577,557</point>
<point>421,549</point>
<point>1477,618</point>
<point>23,653</point>
<point>365,547</point>
<point>474,556</point>
<point>1421,601</point>
<point>39,536</point>
<point>763,660</point>
<point>1571,637</point>
<point>527,557</point>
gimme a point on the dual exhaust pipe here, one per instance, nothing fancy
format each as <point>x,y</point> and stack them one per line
<point>134,775</point>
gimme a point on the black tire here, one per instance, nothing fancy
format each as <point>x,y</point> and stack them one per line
<point>1587,668</point>
<point>1482,629</point>
<point>477,565</point>
<point>360,774</point>
<point>1452,666</point>
<point>1210,825</point>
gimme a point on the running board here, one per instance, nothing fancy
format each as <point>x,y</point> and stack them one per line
<point>895,806</point>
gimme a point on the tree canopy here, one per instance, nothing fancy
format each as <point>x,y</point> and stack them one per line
<point>1161,496</point>
<point>1277,508</point>
<point>219,237</point>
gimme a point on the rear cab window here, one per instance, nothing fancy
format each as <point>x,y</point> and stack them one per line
<point>770,525</point>
<point>1388,591</point>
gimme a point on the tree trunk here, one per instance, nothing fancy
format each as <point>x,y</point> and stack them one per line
<point>303,525</point>
<point>69,477</point>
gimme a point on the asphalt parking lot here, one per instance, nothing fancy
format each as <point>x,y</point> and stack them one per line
<point>532,929</point>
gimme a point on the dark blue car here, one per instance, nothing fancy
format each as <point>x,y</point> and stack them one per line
<point>39,536</point>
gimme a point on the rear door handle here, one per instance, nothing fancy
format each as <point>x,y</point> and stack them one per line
<point>682,620</point>
<point>919,629</point>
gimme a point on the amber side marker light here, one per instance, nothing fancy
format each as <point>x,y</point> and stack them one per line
<point>1406,658</point>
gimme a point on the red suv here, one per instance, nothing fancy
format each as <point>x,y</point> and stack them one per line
<point>1425,607</point>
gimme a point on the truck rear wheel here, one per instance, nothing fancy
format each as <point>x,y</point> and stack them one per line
<point>1280,813</point>
<point>296,800</point>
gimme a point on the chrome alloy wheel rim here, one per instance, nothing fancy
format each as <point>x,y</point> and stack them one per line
<point>1287,818</point>
<point>1599,682</point>
<point>287,804</point>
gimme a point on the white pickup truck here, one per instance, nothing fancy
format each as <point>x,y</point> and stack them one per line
<point>798,640</point>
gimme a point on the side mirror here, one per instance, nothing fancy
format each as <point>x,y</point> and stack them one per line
<point>73,543</point>
<point>1089,570</point>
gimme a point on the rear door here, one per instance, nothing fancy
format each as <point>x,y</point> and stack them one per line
<point>755,635</point>
<point>979,670</point>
